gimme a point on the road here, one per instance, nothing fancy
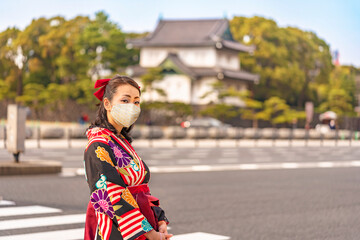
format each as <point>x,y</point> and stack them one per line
<point>317,202</point>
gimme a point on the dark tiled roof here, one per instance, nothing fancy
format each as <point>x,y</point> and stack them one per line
<point>195,72</point>
<point>185,33</point>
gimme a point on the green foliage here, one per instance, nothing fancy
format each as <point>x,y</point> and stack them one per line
<point>339,94</point>
<point>277,111</point>
<point>5,92</point>
<point>9,72</point>
<point>54,60</point>
<point>287,59</point>
<point>148,79</point>
<point>59,59</point>
<point>34,96</point>
<point>219,111</point>
<point>219,89</point>
<point>337,101</point>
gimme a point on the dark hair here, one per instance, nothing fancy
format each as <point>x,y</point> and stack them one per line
<point>101,119</point>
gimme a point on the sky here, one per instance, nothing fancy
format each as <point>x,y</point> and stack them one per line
<point>335,21</point>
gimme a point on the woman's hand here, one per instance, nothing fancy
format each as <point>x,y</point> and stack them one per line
<point>163,229</point>
<point>153,235</point>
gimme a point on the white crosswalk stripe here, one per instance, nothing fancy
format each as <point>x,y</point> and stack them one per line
<point>42,221</point>
<point>199,236</point>
<point>27,210</point>
<point>53,235</point>
<point>28,222</point>
<point>60,221</point>
<point>6,203</point>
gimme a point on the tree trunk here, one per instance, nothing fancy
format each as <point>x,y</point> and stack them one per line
<point>19,87</point>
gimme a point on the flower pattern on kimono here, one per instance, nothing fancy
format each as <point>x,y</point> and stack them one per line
<point>122,158</point>
<point>134,166</point>
<point>146,225</point>
<point>101,183</point>
<point>101,202</point>
<point>103,155</point>
<point>128,197</point>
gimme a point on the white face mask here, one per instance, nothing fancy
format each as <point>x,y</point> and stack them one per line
<point>125,114</point>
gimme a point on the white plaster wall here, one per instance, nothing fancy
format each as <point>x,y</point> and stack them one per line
<point>193,57</point>
<point>228,61</point>
<point>201,87</point>
<point>177,88</point>
<point>198,57</point>
<point>152,57</point>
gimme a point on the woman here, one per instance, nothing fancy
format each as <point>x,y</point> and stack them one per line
<point>120,206</point>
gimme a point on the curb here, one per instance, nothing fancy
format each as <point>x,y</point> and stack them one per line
<point>30,168</point>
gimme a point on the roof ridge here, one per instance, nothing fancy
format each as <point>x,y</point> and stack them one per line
<point>192,20</point>
<point>157,29</point>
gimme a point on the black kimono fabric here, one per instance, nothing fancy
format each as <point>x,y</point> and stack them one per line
<point>112,166</point>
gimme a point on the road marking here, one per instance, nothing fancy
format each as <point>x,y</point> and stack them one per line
<point>248,166</point>
<point>234,167</point>
<point>27,210</point>
<point>257,166</point>
<point>201,168</point>
<point>6,203</point>
<point>199,236</point>
<point>325,164</point>
<point>290,165</point>
<point>53,235</point>
<point>42,221</point>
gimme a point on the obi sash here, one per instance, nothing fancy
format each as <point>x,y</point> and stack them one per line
<point>142,196</point>
<point>145,201</point>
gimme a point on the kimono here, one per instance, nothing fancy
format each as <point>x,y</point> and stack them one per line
<point>121,206</point>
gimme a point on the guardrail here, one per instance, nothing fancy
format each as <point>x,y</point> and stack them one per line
<point>174,132</point>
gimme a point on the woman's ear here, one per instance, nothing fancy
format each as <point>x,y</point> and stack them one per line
<point>107,104</point>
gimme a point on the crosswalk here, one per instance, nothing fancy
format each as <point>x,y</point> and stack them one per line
<point>12,227</point>
<point>35,222</point>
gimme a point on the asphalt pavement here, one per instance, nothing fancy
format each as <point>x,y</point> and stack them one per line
<point>221,193</point>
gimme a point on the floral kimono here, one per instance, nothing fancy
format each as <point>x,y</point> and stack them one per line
<point>121,206</point>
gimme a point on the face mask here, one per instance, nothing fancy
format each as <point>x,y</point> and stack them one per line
<point>125,114</point>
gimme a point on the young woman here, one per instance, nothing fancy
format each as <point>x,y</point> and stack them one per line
<point>120,206</point>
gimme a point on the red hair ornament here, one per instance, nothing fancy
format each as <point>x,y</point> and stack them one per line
<point>101,83</point>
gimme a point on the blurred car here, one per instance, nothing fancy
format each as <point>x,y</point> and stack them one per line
<point>206,122</point>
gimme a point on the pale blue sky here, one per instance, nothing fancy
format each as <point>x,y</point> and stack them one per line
<point>336,21</point>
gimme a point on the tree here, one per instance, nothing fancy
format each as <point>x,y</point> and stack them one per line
<point>249,111</point>
<point>277,111</point>
<point>34,96</point>
<point>10,64</point>
<point>287,59</point>
<point>337,101</point>
<point>220,111</point>
<point>219,90</point>
<point>150,78</point>
<point>339,95</point>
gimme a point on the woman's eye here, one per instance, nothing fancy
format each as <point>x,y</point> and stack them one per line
<point>137,103</point>
<point>125,101</point>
